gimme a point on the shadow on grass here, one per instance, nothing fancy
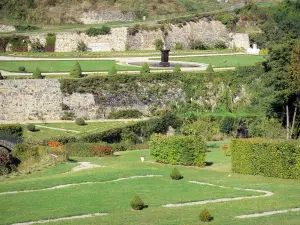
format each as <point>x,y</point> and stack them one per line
<point>209,163</point>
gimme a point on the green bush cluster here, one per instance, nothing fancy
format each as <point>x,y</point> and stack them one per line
<point>137,203</point>
<point>81,47</point>
<point>178,150</point>
<point>76,71</point>
<point>267,157</point>
<point>158,44</point>
<point>175,174</point>
<point>125,114</point>
<point>37,74</point>
<point>92,32</point>
<point>80,121</point>
<point>31,127</point>
<point>50,42</point>
<point>23,151</point>
<point>82,149</point>
<point>14,130</point>
<point>26,28</point>
<point>205,216</point>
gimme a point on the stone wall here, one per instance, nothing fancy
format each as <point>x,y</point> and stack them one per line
<point>240,40</point>
<point>94,17</point>
<point>7,28</point>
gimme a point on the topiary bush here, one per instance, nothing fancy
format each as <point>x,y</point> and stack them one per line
<point>80,122</point>
<point>205,216</point>
<point>137,203</point>
<point>112,71</point>
<point>175,174</point>
<point>22,69</point>
<point>145,68</point>
<point>37,74</point>
<point>50,42</point>
<point>125,114</point>
<point>210,69</point>
<point>158,44</point>
<point>81,47</point>
<point>11,130</point>
<point>227,125</point>
<point>177,69</point>
<point>31,127</point>
<point>178,150</point>
<point>220,45</point>
<point>76,71</point>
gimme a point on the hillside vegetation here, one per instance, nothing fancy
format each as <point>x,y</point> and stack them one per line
<point>69,11</point>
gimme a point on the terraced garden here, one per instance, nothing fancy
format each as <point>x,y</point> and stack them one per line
<point>111,188</point>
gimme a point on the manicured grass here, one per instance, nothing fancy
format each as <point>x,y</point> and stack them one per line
<point>91,127</point>
<point>224,61</point>
<point>63,66</point>
<point>114,198</point>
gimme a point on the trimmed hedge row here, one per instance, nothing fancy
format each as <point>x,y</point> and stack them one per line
<point>178,150</point>
<point>88,149</point>
<point>14,130</point>
<point>267,157</point>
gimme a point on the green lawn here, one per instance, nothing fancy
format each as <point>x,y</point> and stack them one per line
<point>114,198</point>
<point>63,66</point>
<point>43,132</point>
<point>224,61</point>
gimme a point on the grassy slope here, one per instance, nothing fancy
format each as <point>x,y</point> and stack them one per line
<point>115,197</point>
<point>224,61</point>
<point>62,66</point>
<point>91,127</point>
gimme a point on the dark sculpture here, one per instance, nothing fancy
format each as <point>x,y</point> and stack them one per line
<point>242,131</point>
<point>164,58</point>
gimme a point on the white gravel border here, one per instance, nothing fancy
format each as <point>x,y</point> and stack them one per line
<point>267,213</point>
<point>85,166</point>
<point>61,219</point>
<point>266,194</point>
<point>78,184</point>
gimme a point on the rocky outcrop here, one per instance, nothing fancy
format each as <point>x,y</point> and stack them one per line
<point>7,28</point>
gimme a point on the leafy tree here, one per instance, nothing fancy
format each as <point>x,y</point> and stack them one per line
<point>209,69</point>
<point>112,71</point>
<point>145,68</point>
<point>37,74</point>
<point>76,71</point>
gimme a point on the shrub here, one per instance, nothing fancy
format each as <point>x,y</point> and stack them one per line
<point>76,71</point>
<point>209,69</point>
<point>68,116</point>
<point>178,150</point>
<point>50,43</point>
<point>112,71</point>
<point>81,47</point>
<point>92,32</point>
<point>80,122</point>
<point>145,68</point>
<point>205,216</point>
<point>22,69</point>
<point>24,151</point>
<point>31,127</point>
<point>227,125</point>
<point>220,45</point>
<point>178,46</point>
<point>11,130</point>
<point>36,46</point>
<point>175,174</point>
<point>125,114</point>
<point>267,157</point>
<point>137,203</point>
<point>177,69</point>
<point>26,27</point>
<point>37,74</point>
<point>82,149</point>
<point>266,128</point>
<point>198,45</point>
<point>158,44</point>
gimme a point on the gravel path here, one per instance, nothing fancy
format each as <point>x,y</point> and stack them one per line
<point>85,166</point>
<point>61,219</point>
<point>266,194</point>
<point>78,184</point>
<point>54,128</point>
<point>268,213</point>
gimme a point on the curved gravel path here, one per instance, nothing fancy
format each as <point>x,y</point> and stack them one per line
<point>268,213</point>
<point>266,194</point>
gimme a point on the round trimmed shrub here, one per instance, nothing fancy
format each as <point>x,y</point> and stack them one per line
<point>176,175</point>
<point>37,74</point>
<point>137,203</point>
<point>205,216</point>
<point>31,127</point>
<point>22,69</point>
<point>80,122</point>
<point>209,69</point>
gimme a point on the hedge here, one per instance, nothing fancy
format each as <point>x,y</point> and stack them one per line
<point>267,157</point>
<point>178,150</point>
<point>88,149</point>
<point>13,130</point>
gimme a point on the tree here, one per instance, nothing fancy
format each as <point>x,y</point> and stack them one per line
<point>37,74</point>
<point>112,71</point>
<point>209,69</point>
<point>145,68</point>
<point>76,71</point>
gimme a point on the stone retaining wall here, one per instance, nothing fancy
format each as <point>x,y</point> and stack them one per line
<point>94,17</point>
<point>7,28</point>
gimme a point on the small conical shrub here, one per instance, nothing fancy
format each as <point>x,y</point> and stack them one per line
<point>145,68</point>
<point>76,71</point>
<point>177,69</point>
<point>112,71</point>
<point>137,203</point>
<point>205,216</point>
<point>209,69</point>
<point>176,175</point>
<point>37,74</point>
